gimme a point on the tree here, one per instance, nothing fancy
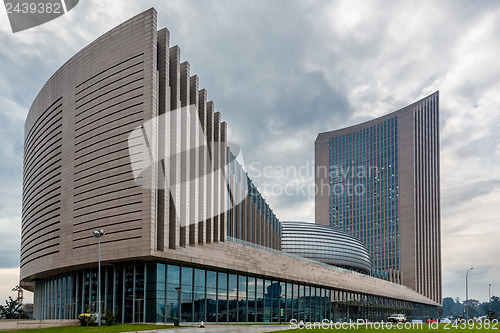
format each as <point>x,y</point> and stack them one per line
<point>471,303</point>
<point>452,307</point>
<point>473,311</point>
<point>495,304</point>
<point>12,310</point>
<point>492,315</point>
<point>484,308</point>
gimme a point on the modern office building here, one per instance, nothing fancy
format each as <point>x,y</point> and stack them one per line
<point>121,138</point>
<point>379,182</point>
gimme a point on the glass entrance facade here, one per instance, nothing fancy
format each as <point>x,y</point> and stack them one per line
<point>161,292</point>
<point>193,294</point>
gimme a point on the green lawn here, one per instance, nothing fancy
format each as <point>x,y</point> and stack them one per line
<point>107,329</point>
<point>249,324</point>
<point>425,328</point>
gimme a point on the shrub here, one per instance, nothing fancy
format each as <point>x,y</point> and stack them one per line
<point>109,318</point>
<point>86,319</point>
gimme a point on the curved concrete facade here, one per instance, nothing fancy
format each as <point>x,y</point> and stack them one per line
<point>86,169</point>
<point>326,245</point>
<point>99,155</point>
<point>77,171</point>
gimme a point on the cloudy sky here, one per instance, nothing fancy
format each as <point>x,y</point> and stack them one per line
<point>282,71</point>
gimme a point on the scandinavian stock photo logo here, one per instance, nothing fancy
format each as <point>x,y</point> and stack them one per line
<point>24,14</point>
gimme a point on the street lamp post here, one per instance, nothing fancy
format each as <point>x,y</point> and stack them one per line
<point>98,234</point>
<point>489,296</point>
<point>467,293</point>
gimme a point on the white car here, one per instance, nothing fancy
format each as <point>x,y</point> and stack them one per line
<point>397,318</point>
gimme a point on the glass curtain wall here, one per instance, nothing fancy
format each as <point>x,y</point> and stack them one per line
<point>159,292</point>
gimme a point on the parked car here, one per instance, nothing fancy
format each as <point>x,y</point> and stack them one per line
<point>397,318</point>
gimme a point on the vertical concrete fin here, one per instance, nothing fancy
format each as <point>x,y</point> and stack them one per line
<point>197,143</point>
<point>203,158</point>
<point>223,191</point>
<point>186,131</point>
<point>209,169</point>
<point>217,189</point>
<point>175,77</point>
<point>163,202</point>
<point>202,108</point>
<point>193,91</point>
<point>175,127</point>
<point>185,84</point>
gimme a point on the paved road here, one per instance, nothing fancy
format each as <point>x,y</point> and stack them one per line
<point>225,329</point>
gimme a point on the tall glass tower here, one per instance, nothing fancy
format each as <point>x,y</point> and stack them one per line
<point>379,181</point>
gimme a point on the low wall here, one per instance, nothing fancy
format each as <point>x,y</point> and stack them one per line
<point>26,324</point>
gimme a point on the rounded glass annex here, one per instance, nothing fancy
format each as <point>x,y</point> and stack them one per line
<point>326,245</point>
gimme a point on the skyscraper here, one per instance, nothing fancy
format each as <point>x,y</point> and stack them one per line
<point>379,181</point>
